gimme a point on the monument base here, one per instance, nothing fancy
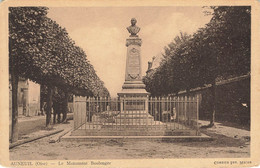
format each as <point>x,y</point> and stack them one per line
<point>133,93</point>
<point>133,89</point>
<point>134,96</point>
<point>133,85</point>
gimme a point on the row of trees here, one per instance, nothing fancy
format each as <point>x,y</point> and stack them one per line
<point>218,51</point>
<point>42,51</point>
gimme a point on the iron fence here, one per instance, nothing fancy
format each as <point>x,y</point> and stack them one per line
<point>136,113</point>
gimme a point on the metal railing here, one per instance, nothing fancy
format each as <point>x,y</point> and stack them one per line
<point>132,113</point>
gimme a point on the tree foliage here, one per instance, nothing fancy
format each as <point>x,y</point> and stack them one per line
<point>43,52</point>
<point>219,50</point>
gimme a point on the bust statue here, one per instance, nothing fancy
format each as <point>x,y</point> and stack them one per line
<point>133,29</point>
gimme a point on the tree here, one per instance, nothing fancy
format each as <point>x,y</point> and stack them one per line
<point>169,77</point>
<point>220,50</point>
<point>43,52</point>
<point>228,42</point>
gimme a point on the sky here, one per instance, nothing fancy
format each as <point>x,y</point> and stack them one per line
<point>101,33</point>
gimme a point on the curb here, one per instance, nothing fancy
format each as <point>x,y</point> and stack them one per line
<point>59,135</point>
<point>20,142</point>
<point>203,137</point>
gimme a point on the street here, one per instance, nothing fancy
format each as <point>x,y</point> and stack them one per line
<point>28,125</point>
<point>221,146</point>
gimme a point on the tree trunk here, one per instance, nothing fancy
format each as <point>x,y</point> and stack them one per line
<point>41,100</point>
<point>14,80</point>
<point>49,106</point>
<point>177,94</point>
<point>187,92</point>
<point>65,107</point>
<point>213,112</point>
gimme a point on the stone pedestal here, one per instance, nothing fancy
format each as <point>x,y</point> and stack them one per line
<point>133,86</point>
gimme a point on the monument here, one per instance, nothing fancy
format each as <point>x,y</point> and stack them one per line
<point>133,85</point>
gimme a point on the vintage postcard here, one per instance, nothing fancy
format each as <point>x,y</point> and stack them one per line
<point>129,83</point>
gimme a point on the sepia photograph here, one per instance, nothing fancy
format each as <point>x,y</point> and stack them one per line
<point>90,85</point>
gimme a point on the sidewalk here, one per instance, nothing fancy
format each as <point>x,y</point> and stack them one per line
<point>27,125</point>
<point>44,130</point>
<point>226,130</point>
<point>30,118</point>
<point>33,128</point>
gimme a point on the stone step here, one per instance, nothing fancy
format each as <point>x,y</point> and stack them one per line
<point>130,112</point>
<point>133,112</point>
<point>134,117</point>
<point>128,127</point>
<point>151,125</point>
<point>141,114</point>
<point>99,124</point>
<point>127,132</point>
<point>130,123</point>
<point>137,123</point>
<point>135,127</point>
<point>138,120</point>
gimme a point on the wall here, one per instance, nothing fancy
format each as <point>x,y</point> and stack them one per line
<point>233,102</point>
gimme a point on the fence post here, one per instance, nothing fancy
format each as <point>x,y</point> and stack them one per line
<point>74,112</point>
<point>178,112</point>
<point>197,98</point>
<point>146,110</point>
<point>171,112</point>
<point>80,109</point>
<point>121,104</point>
<point>120,113</point>
<point>185,110</point>
<point>124,107</point>
<point>88,112</point>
